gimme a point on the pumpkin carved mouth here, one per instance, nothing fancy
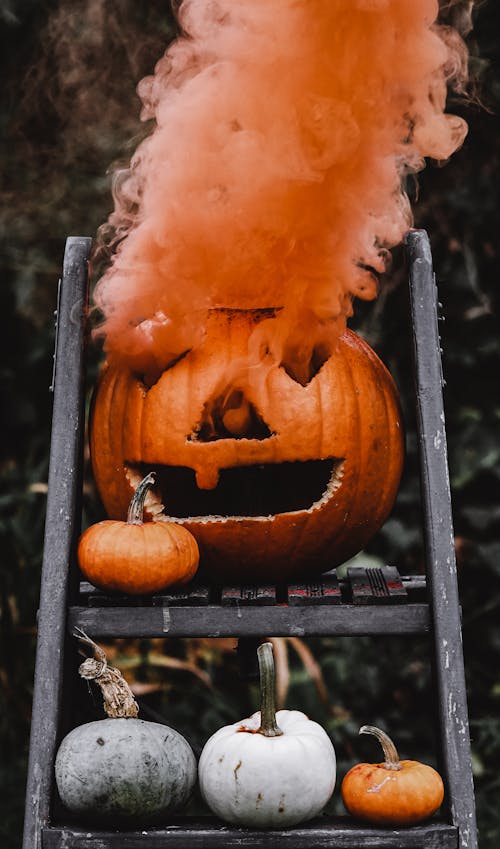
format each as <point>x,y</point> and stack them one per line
<point>253,491</point>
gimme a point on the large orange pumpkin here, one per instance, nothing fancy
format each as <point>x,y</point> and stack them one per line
<point>275,479</point>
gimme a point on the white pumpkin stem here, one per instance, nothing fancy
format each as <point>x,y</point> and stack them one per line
<point>390,752</point>
<point>268,724</point>
<point>119,702</point>
<point>135,515</point>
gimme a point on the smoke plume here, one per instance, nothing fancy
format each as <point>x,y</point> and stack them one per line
<point>274,176</point>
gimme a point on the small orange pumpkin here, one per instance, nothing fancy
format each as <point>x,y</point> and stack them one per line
<point>135,557</point>
<point>394,792</point>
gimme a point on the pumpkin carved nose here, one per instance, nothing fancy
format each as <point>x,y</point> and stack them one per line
<point>230,415</point>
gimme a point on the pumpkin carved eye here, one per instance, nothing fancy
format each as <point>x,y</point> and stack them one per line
<point>150,378</point>
<point>319,356</point>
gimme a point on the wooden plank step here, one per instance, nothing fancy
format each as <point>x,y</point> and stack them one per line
<point>363,585</point>
<point>323,833</point>
<point>316,608</point>
<point>279,620</point>
<point>192,596</point>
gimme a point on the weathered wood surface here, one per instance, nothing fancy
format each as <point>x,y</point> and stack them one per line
<point>63,495</point>
<point>239,620</point>
<point>439,541</point>
<point>375,585</point>
<point>323,591</point>
<point>327,833</point>
<point>312,609</point>
<point>254,596</point>
<point>327,589</point>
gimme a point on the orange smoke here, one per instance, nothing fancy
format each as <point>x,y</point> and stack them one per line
<point>273,177</point>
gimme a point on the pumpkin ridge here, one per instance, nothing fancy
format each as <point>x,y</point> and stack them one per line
<point>351,492</point>
<point>117,393</point>
<point>388,390</point>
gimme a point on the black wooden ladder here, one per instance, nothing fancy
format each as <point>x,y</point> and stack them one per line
<point>407,606</point>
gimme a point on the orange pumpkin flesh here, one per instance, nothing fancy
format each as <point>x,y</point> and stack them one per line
<point>136,558</point>
<point>276,480</point>
<point>403,794</point>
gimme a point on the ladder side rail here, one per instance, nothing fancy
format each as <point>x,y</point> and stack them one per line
<point>439,540</point>
<point>60,532</point>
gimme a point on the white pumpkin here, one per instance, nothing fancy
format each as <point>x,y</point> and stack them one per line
<point>272,770</point>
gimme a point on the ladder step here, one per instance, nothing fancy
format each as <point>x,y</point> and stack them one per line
<point>340,832</point>
<point>233,620</point>
<point>361,604</point>
<point>373,585</point>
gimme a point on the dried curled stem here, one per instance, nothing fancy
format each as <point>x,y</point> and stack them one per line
<point>118,698</point>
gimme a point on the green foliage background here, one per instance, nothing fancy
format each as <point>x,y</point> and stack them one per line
<point>69,114</point>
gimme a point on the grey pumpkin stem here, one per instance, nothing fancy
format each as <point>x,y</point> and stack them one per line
<point>135,515</point>
<point>268,724</point>
<point>390,752</point>
<point>119,702</point>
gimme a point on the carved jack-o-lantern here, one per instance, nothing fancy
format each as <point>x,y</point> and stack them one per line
<point>274,478</point>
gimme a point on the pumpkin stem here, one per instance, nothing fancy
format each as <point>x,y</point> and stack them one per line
<point>268,724</point>
<point>119,700</point>
<point>135,515</point>
<point>390,752</point>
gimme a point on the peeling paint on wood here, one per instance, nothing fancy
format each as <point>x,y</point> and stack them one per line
<point>439,537</point>
<point>322,833</point>
<point>63,495</point>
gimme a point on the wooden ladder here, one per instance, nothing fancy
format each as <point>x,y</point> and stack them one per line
<point>328,607</point>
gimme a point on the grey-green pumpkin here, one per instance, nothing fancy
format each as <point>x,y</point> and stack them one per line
<point>122,770</point>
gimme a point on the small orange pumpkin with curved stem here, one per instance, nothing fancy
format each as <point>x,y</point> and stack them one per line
<point>394,792</point>
<point>136,557</point>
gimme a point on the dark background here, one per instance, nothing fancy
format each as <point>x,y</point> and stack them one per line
<point>69,115</point>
